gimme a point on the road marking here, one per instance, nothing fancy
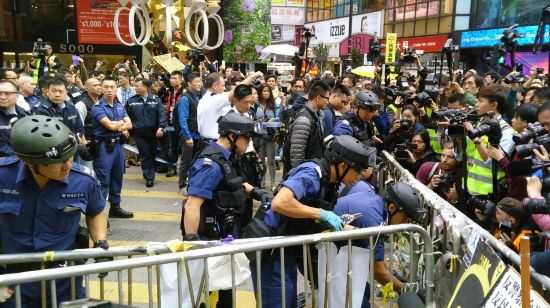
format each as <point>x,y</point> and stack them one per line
<point>140,293</point>
<point>157,178</point>
<point>151,194</point>
<point>157,216</point>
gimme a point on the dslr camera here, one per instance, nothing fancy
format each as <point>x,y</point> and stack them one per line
<point>401,149</point>
<point>39,48</point>
<point>537,206</point>
<point>423,99</point>
<point>457,117</point>
<point>446,182</point>
<point>535,132</point>
<point>490,129</point>
<point>483,204</point>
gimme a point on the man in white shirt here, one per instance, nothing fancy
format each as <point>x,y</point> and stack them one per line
<point>212,104</point>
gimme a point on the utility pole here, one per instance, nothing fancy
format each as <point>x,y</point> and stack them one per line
<point>350,25</point>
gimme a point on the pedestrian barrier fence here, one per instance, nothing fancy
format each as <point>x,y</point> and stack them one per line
<point>454,233</point>
<point>183,278</point>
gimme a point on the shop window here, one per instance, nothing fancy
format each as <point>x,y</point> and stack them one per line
<point>432,26</point>
<point>421,10</point>
<point>445,24</point>
<point>462,22</point>
<point>420,28</point>
<point>408,29</point>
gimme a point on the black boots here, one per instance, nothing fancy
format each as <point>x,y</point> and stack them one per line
<point>117,212</point>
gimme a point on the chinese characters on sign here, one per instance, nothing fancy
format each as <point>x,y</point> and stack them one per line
<point>287,15</point>
<point>391,42</point>
<point>507,293</point>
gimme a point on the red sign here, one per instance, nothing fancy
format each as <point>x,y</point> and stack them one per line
<point>431,43</point>
<point>95,22</point>
<point>358,41</point>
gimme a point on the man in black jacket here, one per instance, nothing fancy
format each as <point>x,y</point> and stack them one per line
<point>305,139</point>
<point>148,119</point>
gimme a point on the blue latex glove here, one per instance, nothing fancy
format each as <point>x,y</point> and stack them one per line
<point>331,219</point>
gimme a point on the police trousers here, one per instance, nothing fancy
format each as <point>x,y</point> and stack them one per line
<point>146,141</point>
<point>109,169</point>
<point>169,143</point>
<point>271,279</point>
<point>187,155</point>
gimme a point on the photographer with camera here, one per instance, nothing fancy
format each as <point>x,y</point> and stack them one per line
<point>418,151</point>
<point>445,176</point>
<point>405,124</point>
<point>43,60</point>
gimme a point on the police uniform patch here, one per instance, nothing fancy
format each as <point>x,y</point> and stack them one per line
<point>206,161</point>
<point>73,195</point>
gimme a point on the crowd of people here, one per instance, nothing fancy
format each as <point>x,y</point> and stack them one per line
<point>479,141</point>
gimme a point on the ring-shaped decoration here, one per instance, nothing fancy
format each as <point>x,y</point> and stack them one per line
<point>145,25</point>
<point>168,17</point>
<point>219,22</point>
<point>204,20</point>
<point>117,25</point>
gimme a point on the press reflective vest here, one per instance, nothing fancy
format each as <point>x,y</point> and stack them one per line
<point>480,173</point>
<point>434,141</point>
<point>393,108</point>
<point>37,68</point>
<point>518,238</point>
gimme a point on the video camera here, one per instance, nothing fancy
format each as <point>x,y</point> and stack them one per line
<point>39,48</point>
<point>431,87</point>
<point>196,56</point>
<point>457,117</point>
<point>391,93</point>
<point>535,132</point>
<point>423,99</point>
<point>408,55</point>
<point>537,206</point>
<point>490,129</point>
<point>510,36</point>
<point>400,151</point>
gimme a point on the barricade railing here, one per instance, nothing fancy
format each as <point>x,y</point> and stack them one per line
<point>460,225</point>
<point>181,259</point>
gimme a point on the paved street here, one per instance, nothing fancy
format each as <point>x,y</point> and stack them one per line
<point>157,212</point>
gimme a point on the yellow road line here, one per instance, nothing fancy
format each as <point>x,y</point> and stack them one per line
<point>157,216</point>
<point>151,194</point>
<point>140,293</point>
<point>158,178</point>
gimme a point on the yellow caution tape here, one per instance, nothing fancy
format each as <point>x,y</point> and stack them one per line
<point>177,245</point>
<point>48,256</point>
<point>387,292</point>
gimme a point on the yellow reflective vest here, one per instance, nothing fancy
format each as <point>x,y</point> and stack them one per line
<point>35,71</point>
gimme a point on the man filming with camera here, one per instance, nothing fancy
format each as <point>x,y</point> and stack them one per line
<point>483,173</point>
<point>43,60</point>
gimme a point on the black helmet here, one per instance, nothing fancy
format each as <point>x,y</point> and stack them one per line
<point>235,123</point>
<point>367,100</point>
<point>349,150</point>
<point>406,200</point>
<point>43,140</point>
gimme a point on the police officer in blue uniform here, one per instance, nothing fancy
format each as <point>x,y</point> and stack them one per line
<point>216,193</point>
<point>8,112</point>
<point>148,123</point>
<point>308,193</point>
<point>358,122</point>
<point>55,106</point>
<point>42,194</point>
<point>111,123</point>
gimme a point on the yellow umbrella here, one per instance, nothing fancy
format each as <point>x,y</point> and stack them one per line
<point>364,71</point>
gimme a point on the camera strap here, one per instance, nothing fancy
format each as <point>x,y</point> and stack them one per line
<point>432,171</point>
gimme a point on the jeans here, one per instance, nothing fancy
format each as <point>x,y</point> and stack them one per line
<point>187,155</point>
<point>268,149</point>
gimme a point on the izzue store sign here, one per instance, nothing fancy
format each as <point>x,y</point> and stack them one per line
<point>491,37</point>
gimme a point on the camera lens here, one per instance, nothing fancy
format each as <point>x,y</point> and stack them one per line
<point>536,206</point>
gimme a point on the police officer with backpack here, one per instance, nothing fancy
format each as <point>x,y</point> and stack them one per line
<point>308,194</point>
<point>216,193</point>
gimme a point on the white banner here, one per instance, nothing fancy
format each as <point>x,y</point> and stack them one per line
<point>335,30</point>
<point>284,15</point>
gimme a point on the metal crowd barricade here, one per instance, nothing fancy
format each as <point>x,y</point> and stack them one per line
<point>459,224</point>
<point>243,246</point>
